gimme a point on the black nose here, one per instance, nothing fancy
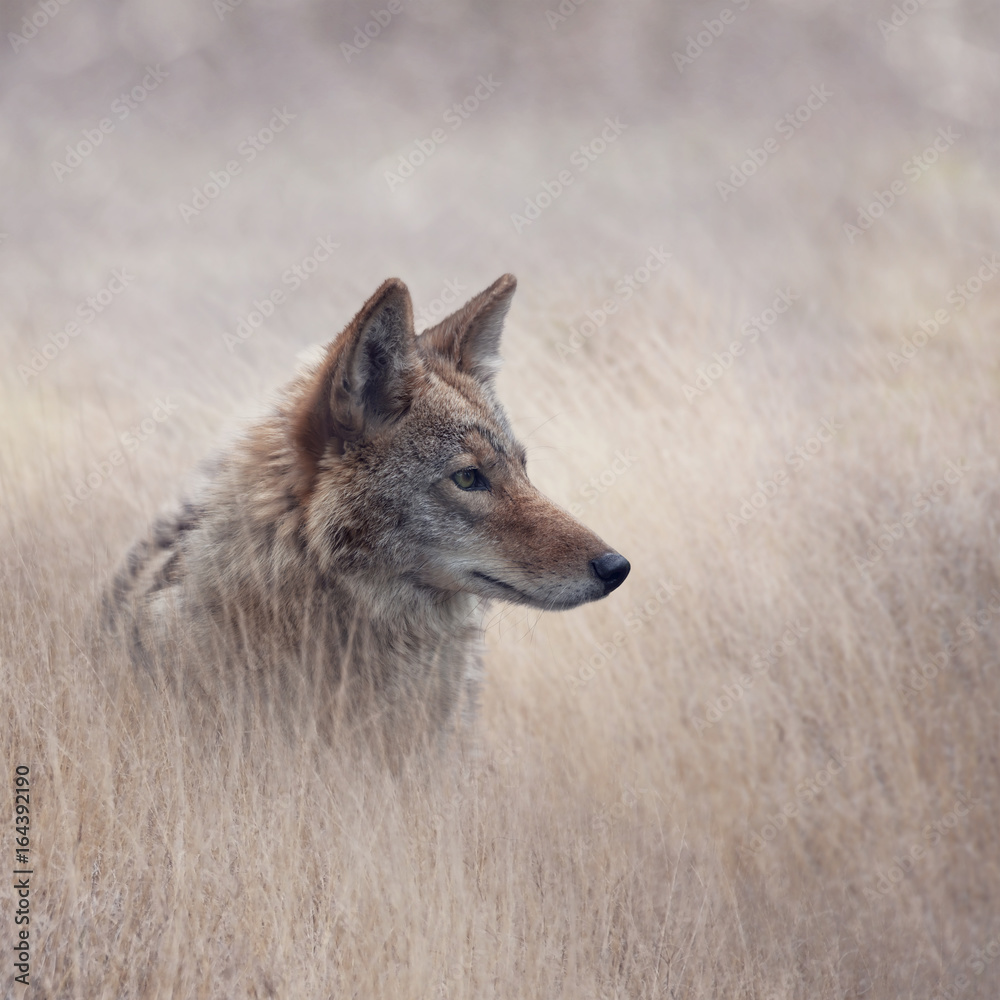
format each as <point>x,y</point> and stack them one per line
<point>611,569</point>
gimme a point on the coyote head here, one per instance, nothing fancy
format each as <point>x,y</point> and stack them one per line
<point>407,466</point>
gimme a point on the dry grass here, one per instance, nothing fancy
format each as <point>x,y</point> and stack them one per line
<point>617,834</point>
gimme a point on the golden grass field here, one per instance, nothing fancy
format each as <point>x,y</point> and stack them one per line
<point>651,805</point>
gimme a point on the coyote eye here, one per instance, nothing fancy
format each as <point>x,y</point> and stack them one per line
<point>470,479</point>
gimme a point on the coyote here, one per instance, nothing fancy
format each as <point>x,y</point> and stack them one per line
<point>358,532</point>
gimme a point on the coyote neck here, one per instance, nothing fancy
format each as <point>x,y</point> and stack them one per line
<point>271,603</point>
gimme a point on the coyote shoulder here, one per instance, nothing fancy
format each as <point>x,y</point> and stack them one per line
<point>357,532</point>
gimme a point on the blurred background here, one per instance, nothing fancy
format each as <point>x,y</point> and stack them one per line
<point>744,774</point>
<point>693,94</point>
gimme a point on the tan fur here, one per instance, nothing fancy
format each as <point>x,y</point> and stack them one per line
<point>332,540</point>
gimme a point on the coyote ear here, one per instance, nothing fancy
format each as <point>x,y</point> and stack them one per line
<point>470,338</point>
<point>367,378</point>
